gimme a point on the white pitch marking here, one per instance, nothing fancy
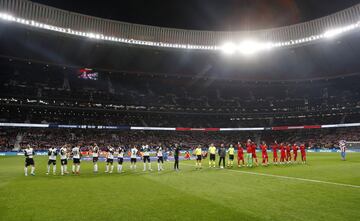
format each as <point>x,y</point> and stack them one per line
<point>291,178</point>
<point>297,178</point>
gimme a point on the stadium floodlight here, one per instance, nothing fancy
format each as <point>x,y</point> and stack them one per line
<point>90,35</point>
<point>332,33</point>
<point>249,47</point>
<point>337,31</point>
<point>7,17</point>
<point>228,48</point>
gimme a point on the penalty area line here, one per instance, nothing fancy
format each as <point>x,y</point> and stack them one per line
<point>287,177</point>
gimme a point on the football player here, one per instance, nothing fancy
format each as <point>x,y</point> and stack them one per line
<point>52,153</point>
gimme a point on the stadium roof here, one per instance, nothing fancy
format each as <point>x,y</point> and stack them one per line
<point>323,59</point>
<point>245,42</point>
<point>212,15</point>
<point>26,34</point>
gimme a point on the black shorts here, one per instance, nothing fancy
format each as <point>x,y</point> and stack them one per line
<point>29,161</point>
<point>212,157</point>
<point>231,157</point>
<point>160,159</point>
<point>120,160</point>
<point>95,159</point>
<point>146,158</point>
<point>76,160</point>
<point>53,162</point>
<point>63,162</point>
<point>110,161</point>
<point>198,157</point>
<point>133,160</point>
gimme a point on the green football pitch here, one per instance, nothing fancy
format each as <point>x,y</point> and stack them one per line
<point>324,189</point>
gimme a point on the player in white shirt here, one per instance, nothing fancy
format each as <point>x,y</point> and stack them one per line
<point>146,156</point>
<point>159,154</point>
<point>63,159</point>
<point>133,154</point>
<point>52,153</point>
<point>29,160</point>
<point>110,159</point>
<point>95,156</point>
<point>76,154</point>
<point>120,159</point>
<point>342,146</point>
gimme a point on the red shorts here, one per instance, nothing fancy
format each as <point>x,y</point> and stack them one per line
<point>264,156</point>
<point>241,157</point>
<point>254,155</point>
<point>275,155</point>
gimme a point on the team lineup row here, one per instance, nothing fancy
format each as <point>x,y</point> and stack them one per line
<point>288,154</point>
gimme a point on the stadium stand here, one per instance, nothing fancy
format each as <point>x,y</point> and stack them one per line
<point>37,93</point>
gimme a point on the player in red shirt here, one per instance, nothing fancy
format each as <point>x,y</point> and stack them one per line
<point>275,147</point>
<point>265,158</point>
<point>303,153</point>
<point>288,153</point>
<point>253,145</point>
<point>282,153</point>
<point>249,158</point>
<point>240,153</point>
<point>295,150</point>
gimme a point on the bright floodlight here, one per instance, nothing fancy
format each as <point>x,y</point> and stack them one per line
<point>7,17</point>
<point>250,47</point>
<point>337,31</point>
<point>332,33</point>
<point>229,48</point>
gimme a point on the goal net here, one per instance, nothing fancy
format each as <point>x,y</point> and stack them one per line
<point>355,145</point>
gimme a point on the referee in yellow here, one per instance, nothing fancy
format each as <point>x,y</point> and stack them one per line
<point>231,152</point>
<point>212,152</point>
<point>198,153</point>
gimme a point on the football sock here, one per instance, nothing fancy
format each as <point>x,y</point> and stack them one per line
<point>78,169</point>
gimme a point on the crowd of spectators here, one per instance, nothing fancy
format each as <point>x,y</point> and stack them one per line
<point>49,97</point>
<point>43,86</point>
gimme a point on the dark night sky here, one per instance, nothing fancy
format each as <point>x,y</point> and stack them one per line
<point>206,14</point>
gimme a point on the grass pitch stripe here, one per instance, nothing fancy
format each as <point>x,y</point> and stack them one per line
<point>288,177</point>
<point>296,178</point>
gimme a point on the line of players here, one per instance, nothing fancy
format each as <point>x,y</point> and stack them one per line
<point>251,158</point>
<point>288,154</point>
<point>111,152</point>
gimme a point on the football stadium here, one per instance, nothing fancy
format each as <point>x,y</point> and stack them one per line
<point>180,110</point>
